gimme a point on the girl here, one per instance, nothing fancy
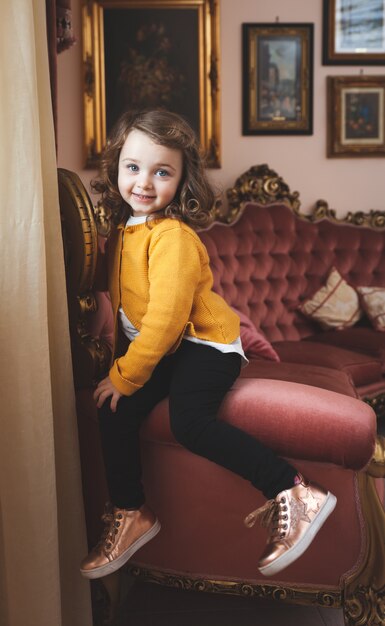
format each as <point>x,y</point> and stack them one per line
<point>175,337</point>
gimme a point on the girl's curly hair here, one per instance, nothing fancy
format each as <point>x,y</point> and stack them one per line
<point>194,201</point>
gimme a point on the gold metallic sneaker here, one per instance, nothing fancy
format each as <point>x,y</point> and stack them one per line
<point>125,532</point>
<point>293,519</point>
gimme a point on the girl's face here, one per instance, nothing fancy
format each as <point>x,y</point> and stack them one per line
<point>149,174</point>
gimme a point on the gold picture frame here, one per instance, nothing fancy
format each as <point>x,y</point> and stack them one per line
<point>356,116</point>
<point>151,54</point>
<point>277,79</point>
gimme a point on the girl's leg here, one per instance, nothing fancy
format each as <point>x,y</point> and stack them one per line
<point>202,377</point>
<point>120,437</point>
<point>129,523</point>
<point>297,508</point>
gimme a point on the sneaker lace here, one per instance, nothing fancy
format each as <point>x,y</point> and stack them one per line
<point>269,516</point>
<point>109,519</point>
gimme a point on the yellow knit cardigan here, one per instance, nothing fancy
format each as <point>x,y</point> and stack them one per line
<point>159,273</point>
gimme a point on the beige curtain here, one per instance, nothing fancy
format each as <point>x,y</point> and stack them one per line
<point>42,535</point>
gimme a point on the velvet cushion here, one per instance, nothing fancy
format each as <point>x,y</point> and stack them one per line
<point>373,303</point>
<point>335,305</point>
<point>364,369</point>
<point>254,343</point>
<point>359,338</point>
<point>306,374</point>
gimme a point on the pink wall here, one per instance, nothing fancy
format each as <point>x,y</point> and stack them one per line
<point>347,184</point>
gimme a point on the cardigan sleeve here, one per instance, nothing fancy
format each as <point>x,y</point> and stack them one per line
<point>175,268</point>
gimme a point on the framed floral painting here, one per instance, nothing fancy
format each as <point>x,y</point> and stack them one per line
<point>356,116</point>
<point>150,54</point>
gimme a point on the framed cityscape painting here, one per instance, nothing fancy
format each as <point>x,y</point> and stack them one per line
<point>277,79</point>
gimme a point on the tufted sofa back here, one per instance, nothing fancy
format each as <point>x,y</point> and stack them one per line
<point>267,262</point>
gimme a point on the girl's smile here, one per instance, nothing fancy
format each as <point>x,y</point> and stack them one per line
<point>149,174</point>
<point>143,198</point>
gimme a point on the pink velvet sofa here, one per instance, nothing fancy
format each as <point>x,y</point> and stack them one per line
<point>300,394</point>
<point>273,258</point>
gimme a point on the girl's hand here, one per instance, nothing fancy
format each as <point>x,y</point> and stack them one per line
<point>105,389</point>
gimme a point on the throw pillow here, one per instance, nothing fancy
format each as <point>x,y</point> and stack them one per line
<point>335,305</point>
<point>373,303</point>
<point>254,342</point>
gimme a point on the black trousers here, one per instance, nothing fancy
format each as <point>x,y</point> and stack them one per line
<point>196,378</point>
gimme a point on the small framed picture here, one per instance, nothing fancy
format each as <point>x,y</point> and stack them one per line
<point>277,79</point>
<point>353,32</point>
<point>356,116</point>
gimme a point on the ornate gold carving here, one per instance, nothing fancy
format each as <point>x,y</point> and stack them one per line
<point>90,356</point>
<point>364,593</point>
<point>378,404</point>
<point>377,464</point>
<point>259,184</point>
<point>321,211</point>
<point>103,222</point>
<point>297,595</point>
<point>372,219</point>
<point>263,185</point>
<point>98,350</point>
<point>366,607</point>
<point>79,232</point>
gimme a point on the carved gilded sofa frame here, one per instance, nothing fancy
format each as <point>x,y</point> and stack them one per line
<point>362,596</point>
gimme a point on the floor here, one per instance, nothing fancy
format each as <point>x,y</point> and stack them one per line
<point>148,604</point>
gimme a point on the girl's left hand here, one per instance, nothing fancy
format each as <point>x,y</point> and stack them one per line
<point>105,389</point>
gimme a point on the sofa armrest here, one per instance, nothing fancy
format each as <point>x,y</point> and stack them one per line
<point>297,421</point>
<point>304,422</point>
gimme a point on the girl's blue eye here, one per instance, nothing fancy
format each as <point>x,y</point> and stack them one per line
<point>132,167</point>
<point>162,173</point>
